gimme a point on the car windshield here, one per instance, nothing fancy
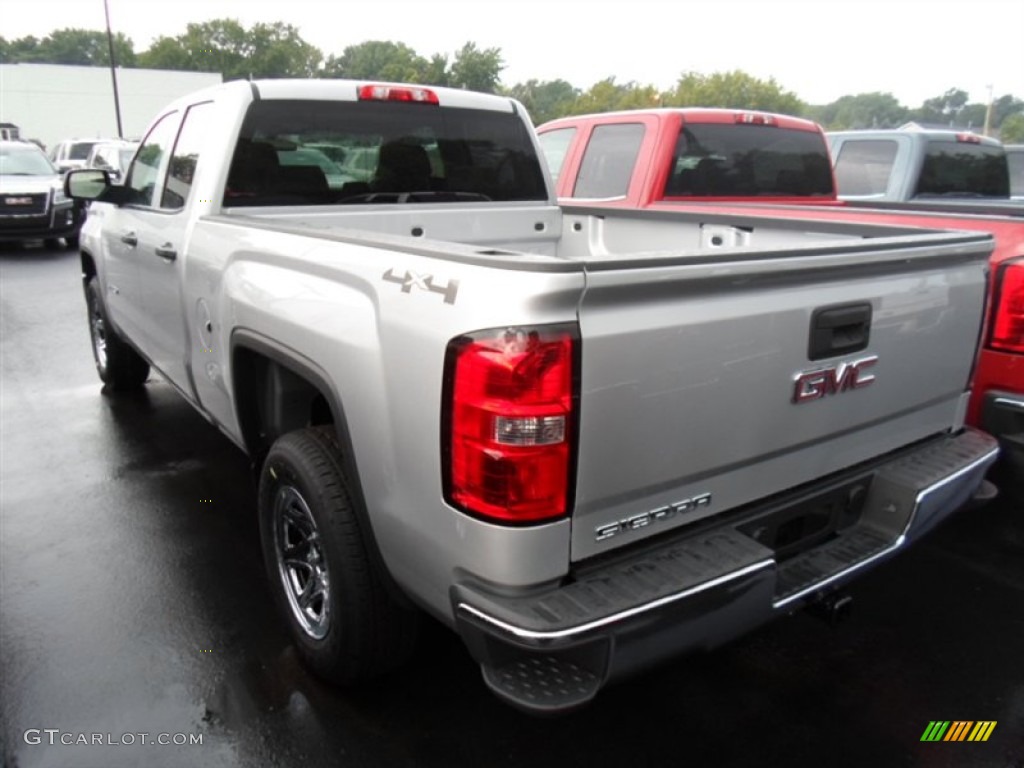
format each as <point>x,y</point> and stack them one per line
<point>393,153</point>
<point>24,161</point>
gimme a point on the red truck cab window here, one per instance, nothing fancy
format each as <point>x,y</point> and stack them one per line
<point>740,159</point>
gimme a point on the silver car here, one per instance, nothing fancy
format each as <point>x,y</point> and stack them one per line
<point>32,200</point>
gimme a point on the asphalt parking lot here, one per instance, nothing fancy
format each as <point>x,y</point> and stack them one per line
<point>133,601</point>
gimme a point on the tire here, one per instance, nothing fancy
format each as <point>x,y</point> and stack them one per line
<point>71,242</point>
<point>119,366</point>
<point>346,624</point>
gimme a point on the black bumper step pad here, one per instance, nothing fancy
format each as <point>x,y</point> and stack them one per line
<point>542,683</point>
<point>828,560</point>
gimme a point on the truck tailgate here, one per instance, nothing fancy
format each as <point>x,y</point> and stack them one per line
<point>713,381</point>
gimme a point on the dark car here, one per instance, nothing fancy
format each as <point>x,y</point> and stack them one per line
<point>32,201</point>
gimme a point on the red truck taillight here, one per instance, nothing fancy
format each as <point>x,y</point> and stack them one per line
<point>1008,312</point>
<point>509,422</point>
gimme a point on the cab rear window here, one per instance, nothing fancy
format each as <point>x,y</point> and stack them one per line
<point>739,160</point>
<point>294,152</point>
<point>963,169</point>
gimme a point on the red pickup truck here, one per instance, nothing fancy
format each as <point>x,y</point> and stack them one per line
<point>664,159</point>
<point>636,158</point>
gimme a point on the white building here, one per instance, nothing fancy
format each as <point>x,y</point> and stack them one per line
<point>52,102</point>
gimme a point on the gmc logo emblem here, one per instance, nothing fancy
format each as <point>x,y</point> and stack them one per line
<point>815,385</point>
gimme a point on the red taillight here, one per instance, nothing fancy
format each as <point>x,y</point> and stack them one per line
<point>1008,312</point>
<point>509,426</point>
<point>754,118</point>
<point>397,93</point>
<point>968,138</point>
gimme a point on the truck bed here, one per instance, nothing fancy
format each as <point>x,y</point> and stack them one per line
<point>696,327</point>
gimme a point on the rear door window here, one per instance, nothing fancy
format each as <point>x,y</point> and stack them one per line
<point>182,169</point>
<point>555,144</point>
<point>863,167</point>
<point>608,161</point>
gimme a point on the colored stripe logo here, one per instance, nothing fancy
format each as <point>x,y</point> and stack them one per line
<point>958,730</point>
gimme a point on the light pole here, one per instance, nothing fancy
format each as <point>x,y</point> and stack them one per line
<point>113,71</point>
<point>988,110</point>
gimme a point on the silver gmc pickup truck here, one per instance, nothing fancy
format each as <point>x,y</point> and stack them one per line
<point>586,440</point>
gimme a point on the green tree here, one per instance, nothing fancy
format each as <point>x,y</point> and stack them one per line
<point>84,47</point>
<point>378,60</point>
<point>26,49</point>
<point>1011,130</point>
<point>733,90</point>
<point>436,72</point>
<point>863,110</point>
<point>87,47</point>
<point>607,96</point>
<point>942,109</point>
<point>544,100</point>
<point>225,46</point>
<point>278,50</point>
<point>169,53</point>
<point>477,70</point>
<point>1004,107</point>
<point>972,116</point>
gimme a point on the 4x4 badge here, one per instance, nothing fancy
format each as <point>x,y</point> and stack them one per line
<point>411,280</point>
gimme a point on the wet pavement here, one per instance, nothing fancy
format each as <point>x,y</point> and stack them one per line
<point>134,608</point>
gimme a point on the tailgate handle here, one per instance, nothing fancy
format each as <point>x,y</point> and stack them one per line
<point>839,330</point>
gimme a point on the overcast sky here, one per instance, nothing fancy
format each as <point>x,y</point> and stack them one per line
<point>819,49</point>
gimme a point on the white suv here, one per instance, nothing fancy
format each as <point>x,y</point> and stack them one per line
<point>72,153</point>
<point>112,156</point>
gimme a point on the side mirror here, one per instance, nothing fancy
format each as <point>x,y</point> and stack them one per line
<point>85,184</point>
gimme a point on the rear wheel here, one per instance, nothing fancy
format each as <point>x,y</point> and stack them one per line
<point>345,623</point>
<point>119,366</point>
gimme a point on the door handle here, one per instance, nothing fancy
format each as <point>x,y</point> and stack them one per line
<point>166,251</point>
<point>129,238</point>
